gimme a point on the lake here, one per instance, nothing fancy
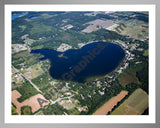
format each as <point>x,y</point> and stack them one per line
<point>92,60</point>
<point>30,17</point>
<point>18,15</point>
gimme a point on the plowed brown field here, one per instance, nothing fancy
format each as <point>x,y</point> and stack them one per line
<point>32,101</point>
<point>109,105</point>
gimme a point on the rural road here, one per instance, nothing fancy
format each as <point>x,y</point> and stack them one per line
<point>53,102</point>
<point>28,80</point>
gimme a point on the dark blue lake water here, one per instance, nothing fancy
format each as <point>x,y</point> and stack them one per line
<point>30,17</point>
<point>95,59</point>
<point>18,15</point>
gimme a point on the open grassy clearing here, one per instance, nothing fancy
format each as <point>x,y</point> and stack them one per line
<point>26,90</point>
<point>23,59</point>
<point>38,47</point>
<point>146,52</point>
<point>26,110</point>
<point>128,77</point>
<point>137,32</point>
<point>138,100</point>
<point>28,40</point>
<point>23,27</point>
<point>40,28</point>
<point>33,71</point>
<point>135,29</point>
<point>136,104</point>
<point>124,110</point>
<point>42,81</point>
<point>20,54</point>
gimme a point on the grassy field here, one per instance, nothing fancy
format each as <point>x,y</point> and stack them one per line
<point>128,77</point>
<point>20,54</point>
<point>33,71</point>
<point>134,105</point>
<point>23,27</point>
<point>135,29</point>
<point>42,81</point>
<point>40,28</point>
<point>124,110</point>
<point>146,52</point>
<point>26,90</point>
<point>14,111</point>
<point>138,100</point>
<point>26,110</point>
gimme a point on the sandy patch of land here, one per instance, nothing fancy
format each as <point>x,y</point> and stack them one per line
<point>97,24</point>
<point>32,101</point>
<point>18,47</point>
<point>109,105</point>
<point>112,27</point>
<point>64,47</point>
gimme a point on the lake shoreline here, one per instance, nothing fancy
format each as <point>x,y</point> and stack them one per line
<point>79,64</point>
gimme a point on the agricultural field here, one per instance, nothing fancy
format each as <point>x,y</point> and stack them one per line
<point>35,103</point>
<point>136,104</point>
<point>33,71</point>
<point>135,29</point>
<point>128,77</point>
<point>23,59</point>
<point>39,28</point>
<point>109,105</point>
<point>97,24</point>
<point>18,47</point>
<point>27,40</point>
<point>112,27</point>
